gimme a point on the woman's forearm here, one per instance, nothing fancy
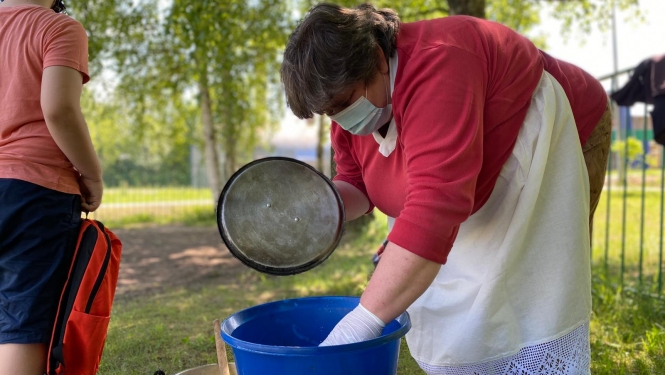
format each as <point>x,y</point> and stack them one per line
<point>401,277</point>
<point>356,203</point>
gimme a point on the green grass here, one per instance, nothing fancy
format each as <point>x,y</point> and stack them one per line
<point>637,236</point>
<point>131,207</point>
<point>627,332</point>
<point>628,325</point>
<point>173,330</point>
<point>192,216</point>
<point>161,194</point>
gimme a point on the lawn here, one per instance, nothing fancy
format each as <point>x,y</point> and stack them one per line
<point>142,195</point>
<point>124,207</point>
<point>172,330</point>
<point>641,234</point>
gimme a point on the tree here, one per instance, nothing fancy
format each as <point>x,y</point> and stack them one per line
<point>474,8</point>
<point>628,153</point>
<point>323,129</point>
<point>520,15</point>
<point>221,57</point>
<point>233,51</point>
<point>108,23</point>
<point>153,152</point>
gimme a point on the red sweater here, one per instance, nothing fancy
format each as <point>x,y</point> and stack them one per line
<point>462,90</point>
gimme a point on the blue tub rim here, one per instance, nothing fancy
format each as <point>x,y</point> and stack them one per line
<point>404,319</point>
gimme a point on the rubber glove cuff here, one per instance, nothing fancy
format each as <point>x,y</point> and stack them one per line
<point>358,325</point>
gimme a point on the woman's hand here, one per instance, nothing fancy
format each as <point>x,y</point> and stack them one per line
<point>358,325</point>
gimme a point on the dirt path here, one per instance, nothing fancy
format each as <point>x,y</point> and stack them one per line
<point>175,256</point>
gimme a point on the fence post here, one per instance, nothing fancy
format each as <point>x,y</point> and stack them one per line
<point>662,206</point>
<point>644,174</point>
<point>607,213</point>
<point>625,194</point>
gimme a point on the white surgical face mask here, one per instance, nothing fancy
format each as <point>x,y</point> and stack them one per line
<point>362,117</point>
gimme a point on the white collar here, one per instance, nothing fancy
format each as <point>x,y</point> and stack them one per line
<point>387,145</point>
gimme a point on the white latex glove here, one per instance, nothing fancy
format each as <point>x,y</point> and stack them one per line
<point>358,325</point>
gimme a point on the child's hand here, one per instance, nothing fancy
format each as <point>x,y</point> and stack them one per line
<point>92,190</point>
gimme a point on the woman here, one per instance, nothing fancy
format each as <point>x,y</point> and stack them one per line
<point>471,138</point>
<point>48,172</point>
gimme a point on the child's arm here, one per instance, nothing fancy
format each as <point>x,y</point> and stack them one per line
<point>61,105</point>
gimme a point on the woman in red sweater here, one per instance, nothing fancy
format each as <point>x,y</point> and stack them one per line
<point>489,156</point>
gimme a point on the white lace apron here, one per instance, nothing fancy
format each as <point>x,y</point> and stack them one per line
<point>515,294</point>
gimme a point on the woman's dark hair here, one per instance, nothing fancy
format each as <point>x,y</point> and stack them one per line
<point>332,49</point>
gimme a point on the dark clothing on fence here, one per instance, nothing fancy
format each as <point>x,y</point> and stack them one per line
<point>647,85</point>
<point>647,82</point>
<point>658,117</point>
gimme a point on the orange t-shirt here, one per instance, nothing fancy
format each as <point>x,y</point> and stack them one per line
<point>33,38</point>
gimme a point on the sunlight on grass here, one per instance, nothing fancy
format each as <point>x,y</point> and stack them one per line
<point>192,216</point>
<point>627,335</point>
<point>157,194</point>
<point>630,238</point>
<point>172,331</point>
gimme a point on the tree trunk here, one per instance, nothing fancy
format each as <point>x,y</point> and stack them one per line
<point>475,8</point>
<point>333,165</point>
<point>231,154</point>
<point>210,139</point>
<point>321,140</point>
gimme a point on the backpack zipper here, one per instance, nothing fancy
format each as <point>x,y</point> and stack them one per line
<point>102,272</point>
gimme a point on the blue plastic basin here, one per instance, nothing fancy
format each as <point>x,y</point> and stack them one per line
<point>282,338</point>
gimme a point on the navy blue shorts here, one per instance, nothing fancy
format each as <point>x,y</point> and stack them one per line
<point>38,232</point>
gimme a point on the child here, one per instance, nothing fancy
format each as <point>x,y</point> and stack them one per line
<point>49,172</point>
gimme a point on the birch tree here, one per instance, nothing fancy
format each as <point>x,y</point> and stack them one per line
<point>220,56</point>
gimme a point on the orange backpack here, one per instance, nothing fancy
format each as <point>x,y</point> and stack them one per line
<point>84,311</point>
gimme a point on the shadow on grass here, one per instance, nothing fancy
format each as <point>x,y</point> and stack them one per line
<point>172,330</point>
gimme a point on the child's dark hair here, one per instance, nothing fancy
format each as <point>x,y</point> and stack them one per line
<point>59,6</point>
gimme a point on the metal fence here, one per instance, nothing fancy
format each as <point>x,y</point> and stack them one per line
<point>141,191</point>
<point>627,242</point>
<point>160,192</point>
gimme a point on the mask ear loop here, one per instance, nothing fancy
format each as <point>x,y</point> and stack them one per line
<point>387,91</point>
<point>385,86</point>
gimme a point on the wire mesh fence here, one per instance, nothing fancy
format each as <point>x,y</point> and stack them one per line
<point>163,193</point>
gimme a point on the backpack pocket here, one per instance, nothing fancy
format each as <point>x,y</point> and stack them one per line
<point>84,340</point>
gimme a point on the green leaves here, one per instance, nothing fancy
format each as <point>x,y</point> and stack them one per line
<point>161,51</point>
